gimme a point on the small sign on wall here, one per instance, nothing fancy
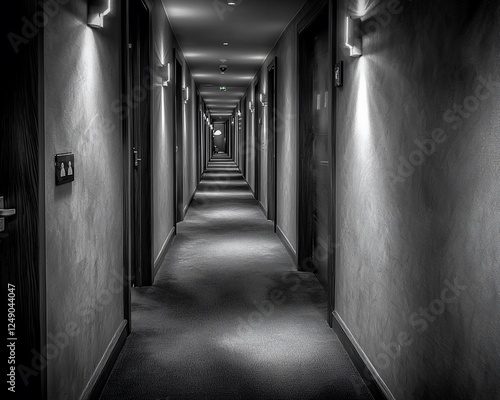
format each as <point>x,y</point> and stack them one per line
<point>65,168</point>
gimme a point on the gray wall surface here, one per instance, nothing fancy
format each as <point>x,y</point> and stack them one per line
<point>163,45</point>
<point>84,219</point>
<point>163,131</point>
<point>287,127</point>
<point>418,195</point>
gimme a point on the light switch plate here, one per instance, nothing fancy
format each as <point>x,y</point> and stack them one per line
<point>64,168</point>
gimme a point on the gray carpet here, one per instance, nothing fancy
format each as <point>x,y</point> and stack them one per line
<point>227,316</point>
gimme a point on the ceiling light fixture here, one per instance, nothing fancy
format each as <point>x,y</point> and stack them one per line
<point>225,43</point>
<point>231,3</point>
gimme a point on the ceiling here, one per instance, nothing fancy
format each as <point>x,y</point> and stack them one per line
<point>250,27</point>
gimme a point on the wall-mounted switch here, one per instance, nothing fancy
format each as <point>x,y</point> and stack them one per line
<point>65,168</point>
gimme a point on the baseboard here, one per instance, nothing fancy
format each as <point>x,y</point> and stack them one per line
<point>191,198</point>
<point>287,244</point>
<point>101,374</point>
<point>250,187</point>
<point>263,209</point>
<point>366,369</point>
<point>163,251</point>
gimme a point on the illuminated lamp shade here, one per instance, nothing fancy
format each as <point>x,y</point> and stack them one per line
<point>353,36</point>
<point>217,133</point>
<point>166,74</point>
<point>263,99</point>
<point>96,11</point>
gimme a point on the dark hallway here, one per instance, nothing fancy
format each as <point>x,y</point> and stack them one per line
<point>228,316</point>
<point>250,199</point>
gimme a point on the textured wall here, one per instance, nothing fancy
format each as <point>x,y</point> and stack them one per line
<point>163,44</point>
<point>163,128</point>
<point>287,126</point>
<point>190,133</point>
<point>250,138</point>
<point>84,219</point>
<point>418,195</point>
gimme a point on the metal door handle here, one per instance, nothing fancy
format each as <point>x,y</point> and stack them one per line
<point>136,158</point>
<point>7,212</point>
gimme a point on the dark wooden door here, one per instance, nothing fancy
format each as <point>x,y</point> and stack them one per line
<point>272,147</point>
<point>142,261</point>
<point>314,149</point>
<point>179,160</point>
<point>22,188</point>
<point>256,143</point>
<point>244,144</point>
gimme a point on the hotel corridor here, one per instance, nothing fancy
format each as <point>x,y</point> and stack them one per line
<point>227,316</point>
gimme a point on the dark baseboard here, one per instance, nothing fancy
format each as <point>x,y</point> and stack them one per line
<point>287,244</point>
<point>263,209</point>
<point>101,374</point>
<point>372,379</point>
<point>186,208</point>
<point>163,251</point>
<point>250,187</point>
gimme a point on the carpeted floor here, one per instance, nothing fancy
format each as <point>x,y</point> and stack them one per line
<point>227,316</point>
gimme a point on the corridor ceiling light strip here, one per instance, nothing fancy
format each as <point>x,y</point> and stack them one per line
<point>353,36</point>
<point>96,11</point>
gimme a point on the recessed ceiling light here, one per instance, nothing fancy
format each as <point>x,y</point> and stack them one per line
<point>231,3</point>
<point>225,43</point>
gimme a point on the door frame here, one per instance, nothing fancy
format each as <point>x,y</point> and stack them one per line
<point>303,251</point>
<point>272,148</point>
<point>178,113</point>
<point>141,202</point>
<point>244,144</point>
<point>128,162</point>
<point>256,143</point>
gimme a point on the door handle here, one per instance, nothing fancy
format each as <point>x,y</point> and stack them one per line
<point>6,212</point>
<point>136,158</point>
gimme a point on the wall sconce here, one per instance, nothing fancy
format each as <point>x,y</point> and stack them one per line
<point>353,36</point>
<point>185,95</point>
<point>239,113</point>
<point>96,11</point>
<point>263,99</point>
<point>251,107</point>
<point>166,74</point>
